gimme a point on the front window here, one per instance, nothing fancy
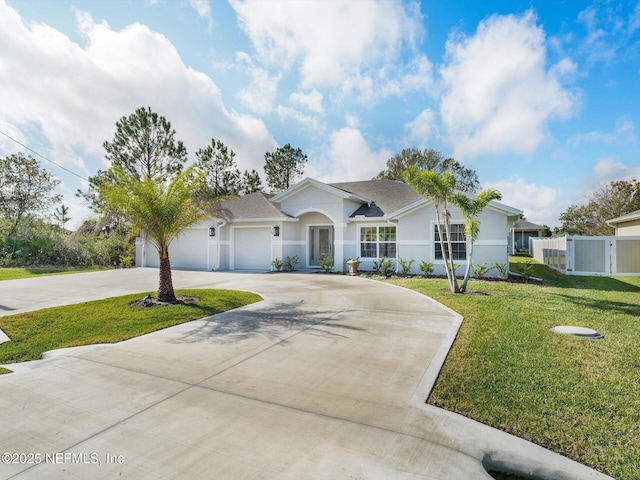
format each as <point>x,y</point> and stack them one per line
<point>458,242</point>
<point>378,242</point>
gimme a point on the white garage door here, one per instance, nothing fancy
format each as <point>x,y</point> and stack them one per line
<point>252,249</point>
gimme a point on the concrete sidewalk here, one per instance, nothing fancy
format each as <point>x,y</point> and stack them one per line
<point>326,378</point>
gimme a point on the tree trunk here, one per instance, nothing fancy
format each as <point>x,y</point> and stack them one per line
<point>453,281</point>
<point>467,273</point>
<point>165,287</point>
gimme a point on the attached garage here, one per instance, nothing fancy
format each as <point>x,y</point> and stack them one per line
<point>251,248</point>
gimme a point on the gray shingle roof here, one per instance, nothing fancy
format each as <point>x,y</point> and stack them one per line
<point>625,218</point>
<point>253,206</point>
<point>525,225</point>
<point>387,196</point>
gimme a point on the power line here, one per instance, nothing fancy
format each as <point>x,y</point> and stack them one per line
<point>45,158</point>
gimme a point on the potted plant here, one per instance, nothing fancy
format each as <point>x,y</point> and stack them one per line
<point>353,263</point>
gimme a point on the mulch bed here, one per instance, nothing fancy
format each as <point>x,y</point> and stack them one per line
<point>152,302</point>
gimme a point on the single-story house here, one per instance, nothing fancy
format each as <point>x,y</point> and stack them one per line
<point>368,219</point>
<point>520,234</point>
<point>627,225</point>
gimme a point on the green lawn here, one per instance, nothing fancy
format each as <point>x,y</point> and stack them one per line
<point>105,321</point>
<point>578,397</point>
<point>25,272</point>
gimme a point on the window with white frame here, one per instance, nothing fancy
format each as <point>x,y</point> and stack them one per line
<point>378,242</point>
<point>458,241</point>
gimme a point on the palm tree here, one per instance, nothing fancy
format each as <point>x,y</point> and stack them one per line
<point>439,188</point>
<point>159,210</point>
<point>471,208</point>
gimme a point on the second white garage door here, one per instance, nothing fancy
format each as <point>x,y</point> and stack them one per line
<point>252,249</point>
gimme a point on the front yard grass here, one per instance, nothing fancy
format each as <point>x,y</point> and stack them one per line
<point>106,321</point>
<point>13,273</point>
<point>578,397</point>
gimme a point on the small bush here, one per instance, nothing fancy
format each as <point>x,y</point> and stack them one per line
<point>426,268</point>
<point>277,264</point>
<point>526,270</point>
<point>290,263</point>
<point>384,266</point>
<point>325,263</point>
<point>480,270</point>
<point>126,261</point>
<point>503,268</point>
<point>405,265</point>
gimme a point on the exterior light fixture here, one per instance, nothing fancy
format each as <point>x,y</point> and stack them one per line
<point>276,231</point>
<point>212,231</point>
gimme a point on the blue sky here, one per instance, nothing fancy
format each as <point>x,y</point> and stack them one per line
<point>541,98</point>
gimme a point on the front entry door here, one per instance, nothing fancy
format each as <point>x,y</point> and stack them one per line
<point>320,243</point>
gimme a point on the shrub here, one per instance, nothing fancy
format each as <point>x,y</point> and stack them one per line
<point>503,268</point>
<point>426,268</point>
<point>325,263</point>
<point>126,261</point>
<point>290,263</point>
<point>526,270</point>
<point>384,266</point>
<point>405,265</point>
<point>480,270</point>
<point>277,264</point>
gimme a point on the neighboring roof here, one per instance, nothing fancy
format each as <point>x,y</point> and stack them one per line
<point>525,225</point>
<point>255,206</point>
<point>625,218</point>
<point>386,196</point>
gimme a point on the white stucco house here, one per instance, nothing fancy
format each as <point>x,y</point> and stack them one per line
<point>368,219</point>
<point>627,225</point>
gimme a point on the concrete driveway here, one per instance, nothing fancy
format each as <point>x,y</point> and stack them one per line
<point>326,378</point>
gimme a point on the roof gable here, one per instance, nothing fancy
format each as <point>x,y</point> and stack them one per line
<point>308,182</point>
<point>625,218</point>
<point>254,206</point>
<point>386,196</point>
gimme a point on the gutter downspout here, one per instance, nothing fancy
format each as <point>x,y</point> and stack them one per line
<point>218,227</point>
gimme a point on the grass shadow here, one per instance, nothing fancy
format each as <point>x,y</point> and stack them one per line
<point>604,305</point>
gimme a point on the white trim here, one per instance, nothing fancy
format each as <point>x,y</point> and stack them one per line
<point>288,242</point>
<point>263,220</point>
<point>308,182</point>
<point>345,242</point>
<point>419,243</point>
<point>359,242</point>
<point>317,210</point>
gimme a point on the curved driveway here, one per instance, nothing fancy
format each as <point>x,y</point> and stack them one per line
<point>326,378</point>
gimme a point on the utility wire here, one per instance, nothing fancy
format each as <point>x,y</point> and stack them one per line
<point>42,156</point>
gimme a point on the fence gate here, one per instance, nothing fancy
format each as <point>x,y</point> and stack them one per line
<point>590,256</point>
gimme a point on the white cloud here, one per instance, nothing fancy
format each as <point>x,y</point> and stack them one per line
<point>350,157</point>
<point>74,94</point>
<point>298,119</point>
<point>498,95</point>
<point>610,169</point>
<point>203,7</point>
<point>311,100</point>
<point>541,204</point>
<point>261,92</point>
<point>624,131</point>
<point>419,130</point>
<point>346,45</point>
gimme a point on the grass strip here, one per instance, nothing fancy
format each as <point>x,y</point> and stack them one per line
<point>106,321</point>
<point>578,397</point>
<point>14,273</point>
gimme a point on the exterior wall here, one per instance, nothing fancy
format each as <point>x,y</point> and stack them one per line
<point>415,239</point>
<point>628,229</point>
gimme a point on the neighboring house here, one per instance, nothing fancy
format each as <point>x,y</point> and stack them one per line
<point>520,234</point>
<point>369,219</point>
<point>626,225</point>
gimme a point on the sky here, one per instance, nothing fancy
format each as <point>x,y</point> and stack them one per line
<point>541,98</point>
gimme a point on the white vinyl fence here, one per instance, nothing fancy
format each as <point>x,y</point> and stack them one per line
<point>619,256</point>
